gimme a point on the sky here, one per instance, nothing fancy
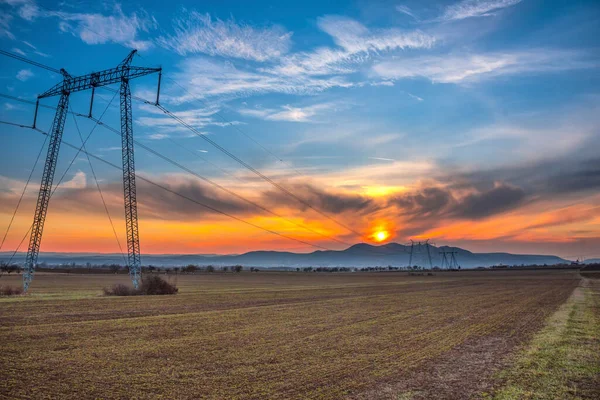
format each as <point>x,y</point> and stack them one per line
<point>472,123</point>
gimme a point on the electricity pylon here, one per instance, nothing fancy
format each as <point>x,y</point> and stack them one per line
<point>416,250</point>
<point>449,263</point>
<point>122,74</point>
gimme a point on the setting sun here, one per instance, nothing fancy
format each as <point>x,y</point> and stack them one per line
<point>381,236</point>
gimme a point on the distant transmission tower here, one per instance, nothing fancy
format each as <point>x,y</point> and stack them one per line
<point>420,252</point>
<point>122,74</point>
<point>449,259</point>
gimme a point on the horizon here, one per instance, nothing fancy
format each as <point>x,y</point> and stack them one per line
<point>266,250</point>
<point>467,122</point>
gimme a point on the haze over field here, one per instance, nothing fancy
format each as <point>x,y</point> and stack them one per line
<point>359,255</point>
<point>474,123</point>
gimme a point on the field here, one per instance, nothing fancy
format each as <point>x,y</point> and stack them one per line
<point>275,335</point>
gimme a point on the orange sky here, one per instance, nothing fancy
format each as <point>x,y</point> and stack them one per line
<point>81,225</point>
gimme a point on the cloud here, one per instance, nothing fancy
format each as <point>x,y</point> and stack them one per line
<point>475,8</point>
<point>197,118</point>
<point>326,201</point>
<point>158,136</point>
<point>381,159</point>
<point>300,73</point>
<point>354,37</point>
<point>115,28</point>
<point>454,68</point>
<point>199,33</point>
<point>356,45</point>
<point>414,96</point>
<point>205,78</point>
<point>407,11</point>
<point>437,202</point>
<point>19,51</point>
<point>288,113</point>
<point>494,201</point>
<point>28,10</point>
<point>29,44</point>
<point>78,181</point>
<point>24,75</point>
<point>5,20</point>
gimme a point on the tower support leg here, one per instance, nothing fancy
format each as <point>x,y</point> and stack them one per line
<point>41,207</point>
<point>131,217</point>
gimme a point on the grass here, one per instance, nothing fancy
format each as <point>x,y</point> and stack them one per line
<point>257,336</point>
<point>563,360</point>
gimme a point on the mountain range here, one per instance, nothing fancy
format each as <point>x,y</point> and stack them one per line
<point>358,255</point>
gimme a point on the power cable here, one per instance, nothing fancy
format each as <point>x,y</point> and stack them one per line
<point>64,173</point>
<point>23,192</point>
<point>216,145</point>
<point>182,167</point>
<point>28,61</point>
<point>241,162</point>
<point>99,189</point>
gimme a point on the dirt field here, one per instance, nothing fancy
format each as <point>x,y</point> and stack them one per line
<point>273,335</point>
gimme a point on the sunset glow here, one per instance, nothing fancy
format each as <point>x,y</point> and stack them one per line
<point>368,124</point>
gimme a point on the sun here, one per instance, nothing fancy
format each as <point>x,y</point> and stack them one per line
<point>380,236</point>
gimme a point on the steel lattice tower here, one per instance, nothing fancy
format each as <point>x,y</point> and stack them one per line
<point>122,74</point>
<point>416,250</point>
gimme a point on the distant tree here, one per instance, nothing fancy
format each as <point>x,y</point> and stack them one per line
<point>114,268</point>
<point>225,269</point>
<point>190,269</point>
<point>210,268</point>
<point>176,269</point>
<point>237,268</point>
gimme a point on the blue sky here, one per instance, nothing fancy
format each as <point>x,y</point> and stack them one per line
<point>444,118</point>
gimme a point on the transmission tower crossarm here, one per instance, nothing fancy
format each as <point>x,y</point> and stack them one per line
<point>97,79</point>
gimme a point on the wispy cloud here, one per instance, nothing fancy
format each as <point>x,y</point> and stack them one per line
<point>24,75</point>
<point>475,8</point>
<point>5,30</point>
<point>414,96</point>
<point>199,33</point>
<point>198,118</point>
<point>18,51</point>
<point>116,28</point>
<point>356,45</point>
<point>289,113</point>
<point>306,72</point>
<point>407,11</point>
<point>470,67</point>
<point>381,159</point>
<point>205,78</point>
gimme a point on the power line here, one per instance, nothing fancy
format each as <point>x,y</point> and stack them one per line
<point>216,145</point>
<point>28,61</point>
<point>375,252</point>
<point>80,150</point>
<point>64,173</point>
<point>98,185</point>
<point>23,193</point>
<point>243,163</point>
<point>196,201</point>
<point>182,167</point>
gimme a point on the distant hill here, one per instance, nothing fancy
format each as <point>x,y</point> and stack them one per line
<point>359,255</point>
